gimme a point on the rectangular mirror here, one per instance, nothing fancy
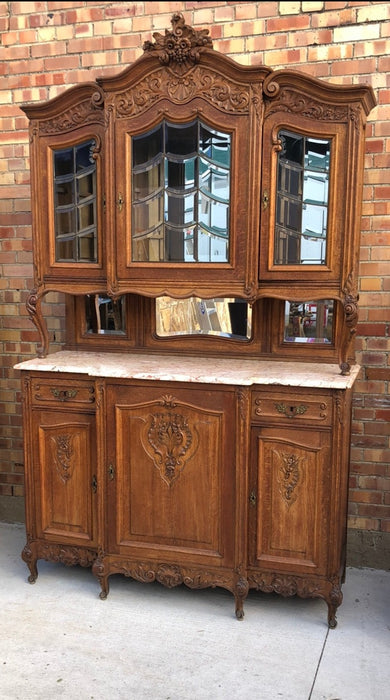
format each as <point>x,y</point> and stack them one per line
<point>309,321</point>
<point>225,317</point>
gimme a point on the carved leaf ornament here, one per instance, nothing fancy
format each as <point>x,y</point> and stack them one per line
<point>63,453</point>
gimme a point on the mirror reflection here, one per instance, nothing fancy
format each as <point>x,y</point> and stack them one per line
<point>302,200</point>
<point>105,315</point>
<point>225,317</point>
<point>309,321</point>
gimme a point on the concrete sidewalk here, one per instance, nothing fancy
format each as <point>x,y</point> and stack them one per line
<point>59,640</point>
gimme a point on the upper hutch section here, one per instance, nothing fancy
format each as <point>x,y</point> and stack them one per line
<point>191,175</point>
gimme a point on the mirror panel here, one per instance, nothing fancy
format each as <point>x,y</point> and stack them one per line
<point>309,321</point>
<point>104,315</point>
<point>225,317</point>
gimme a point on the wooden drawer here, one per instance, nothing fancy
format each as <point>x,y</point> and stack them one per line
<point>292,408</point>
<point>62,391</point>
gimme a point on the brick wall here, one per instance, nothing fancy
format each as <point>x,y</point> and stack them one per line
<point>48,46</point>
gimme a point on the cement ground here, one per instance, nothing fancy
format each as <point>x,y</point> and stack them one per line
<point>146,642</point>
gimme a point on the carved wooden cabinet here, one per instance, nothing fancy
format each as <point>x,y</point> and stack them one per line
<point>202,219</point>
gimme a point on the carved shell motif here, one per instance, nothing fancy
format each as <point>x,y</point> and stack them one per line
<point>180,48</point>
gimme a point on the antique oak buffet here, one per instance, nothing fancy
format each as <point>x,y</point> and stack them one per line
<point>202,219</point>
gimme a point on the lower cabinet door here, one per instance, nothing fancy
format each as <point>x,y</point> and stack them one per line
<point>171,490</point>
<point>289,501</point>
<point>64,476</point>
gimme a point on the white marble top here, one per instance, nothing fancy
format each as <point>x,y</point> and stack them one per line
<point>203,370</point>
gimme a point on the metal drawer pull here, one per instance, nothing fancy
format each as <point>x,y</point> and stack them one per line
<point>64,394</point>
<point>290,411</point>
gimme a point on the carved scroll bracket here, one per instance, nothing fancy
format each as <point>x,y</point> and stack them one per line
<point>33,306</point>
<point>350,305</point>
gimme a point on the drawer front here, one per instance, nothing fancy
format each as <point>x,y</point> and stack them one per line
<point>292,408</point>
<point>61,391</point>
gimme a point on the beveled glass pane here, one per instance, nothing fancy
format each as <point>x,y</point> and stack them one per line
<point>147,146</point>
<point>65,221</point>
<point>83,155</point>
<point>213,215</point>
<point>104,315</point>
<point>181,139</point>
<point>148,181</point>
<point>149,246</point>
<point>86,216</point>
<point>215,145</point>
<point>309,322</point>
<point>86,186</point>
<point>302,200</point>
<point>86,250</point>
<point>148,215</point>
<point>180,173</point>
<point>226,317</point>
<point>65,249</point>
<point>181,209</point>
<point>211,248</point>
<point>64,193</point>
<point>63,162</point>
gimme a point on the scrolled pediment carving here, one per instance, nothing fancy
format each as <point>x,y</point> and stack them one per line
<point>87,112</point>
<point>226,95</point>
<point>294,101</point>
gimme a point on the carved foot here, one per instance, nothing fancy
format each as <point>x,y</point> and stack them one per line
<point>31,561</point>
<point>332,620</point>
<point>240,614</point>
<point>334,601</point>
<point>99,572</point>
<point>240,593</point>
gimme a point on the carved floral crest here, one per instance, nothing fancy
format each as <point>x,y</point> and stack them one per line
<point>181,47</point>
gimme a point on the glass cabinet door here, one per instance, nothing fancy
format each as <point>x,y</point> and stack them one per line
<point>181,194</point>
<point>74,181</point>
<point>302,207</point>
<point>181,203</point>
<point>302,200</point>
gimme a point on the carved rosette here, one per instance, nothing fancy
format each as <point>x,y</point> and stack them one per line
<point>180,48</point>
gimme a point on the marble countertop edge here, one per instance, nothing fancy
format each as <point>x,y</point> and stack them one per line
<point>232,371</point>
